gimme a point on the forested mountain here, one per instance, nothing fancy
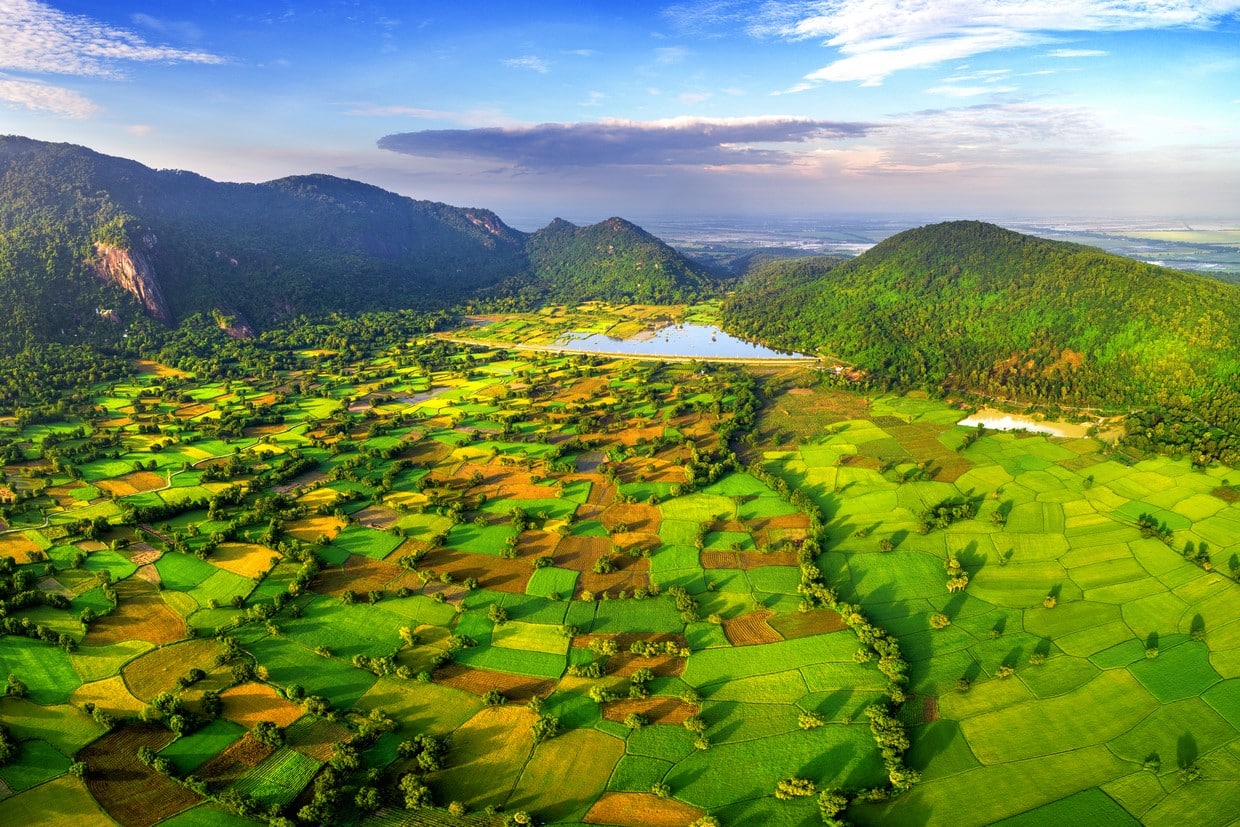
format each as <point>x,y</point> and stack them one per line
<point>977,307</point>
<point>613,260</point>
<point>73,222</point>
<point>89,242</point>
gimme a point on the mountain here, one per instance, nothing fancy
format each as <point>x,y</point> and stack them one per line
<point>613,260</point>
<point>73,222</point>
<point>88,241</point>
<point>980,308</point>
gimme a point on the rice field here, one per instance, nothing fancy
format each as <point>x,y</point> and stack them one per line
<point>473,537</point>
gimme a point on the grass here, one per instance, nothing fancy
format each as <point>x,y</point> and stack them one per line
<point>1104,708</point>
<point>181,572</point>
<point>1090,806</point>
<point>66,728</point>
<point>279,778</point>
<point>288,663</point>
<point>739,771</point>
<point>63,802</point>
<point>530,637</point>
<point>37,762</point>
<point>548,581</point>
<point>46,670</point>
<point>489,751</point>
<point>368,542</point>
<point>190,752</point>
<point>566,774</point>
<point>421,707</point>
<point>719,665</point>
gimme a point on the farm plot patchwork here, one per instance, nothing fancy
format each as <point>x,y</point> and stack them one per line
<point>464,550</point>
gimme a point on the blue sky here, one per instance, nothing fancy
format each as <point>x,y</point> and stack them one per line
<point>1019,108</point>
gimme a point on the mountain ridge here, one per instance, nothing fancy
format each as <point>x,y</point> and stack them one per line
<point>99,239</point>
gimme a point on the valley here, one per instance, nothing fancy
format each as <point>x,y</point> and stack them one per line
<point>410,580</point>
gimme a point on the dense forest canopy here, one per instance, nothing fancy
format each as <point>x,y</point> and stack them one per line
<point>978,307</point>
<point>613,260</point>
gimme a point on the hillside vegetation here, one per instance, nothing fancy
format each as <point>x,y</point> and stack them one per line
<point>613,260</point>
<point>979,308</point>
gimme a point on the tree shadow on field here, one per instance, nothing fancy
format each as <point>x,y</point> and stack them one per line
<point>833,704</point>
<point>970,558</point>
<point>1186,750</point>
<point>954,604</point>
<point>826,764</point>
<point>1197,628</point>
<point>1151,640</point>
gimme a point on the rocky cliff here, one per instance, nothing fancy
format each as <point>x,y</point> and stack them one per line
<point>132,271</point>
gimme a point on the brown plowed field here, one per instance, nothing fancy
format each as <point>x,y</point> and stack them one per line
<point>250,703</point>
<point>362,574</point>
<point>128,791</point>
<point>141,614</point>
<point>234,762</point>
<point>656,710</point>
<point>750,629</point>
<point>496,573</point>
<point>480,681</point>
<point>807,624</point>
<point>625,664</point>
<point>637,517</point>
<point>640,810</point>
<point>377,516</point>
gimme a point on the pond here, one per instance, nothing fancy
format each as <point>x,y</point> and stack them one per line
<point>686,340</point>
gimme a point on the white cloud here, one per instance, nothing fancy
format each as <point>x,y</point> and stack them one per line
<point>35,37</point>
<point>1069,53</point>
<point>183,29</point>
<point>44,97</point>
<point>694,97</point>
<point>953,91</point>
<point>531,62</point>
<point>877,38</point>
<point>141,130</point>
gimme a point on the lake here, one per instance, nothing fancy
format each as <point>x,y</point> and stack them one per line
<point>687,340</point>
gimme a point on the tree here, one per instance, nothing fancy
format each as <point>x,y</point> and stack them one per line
<point>416,794</point>
<point>544,727</point>
<point>497,614</point>
<point>940,621</point>
<point>268,734</point>
<point>794,788</point>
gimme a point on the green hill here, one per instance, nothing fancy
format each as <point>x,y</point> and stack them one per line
<point>613,260</point>
<point>977,308</point>
<point>985,309</point>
